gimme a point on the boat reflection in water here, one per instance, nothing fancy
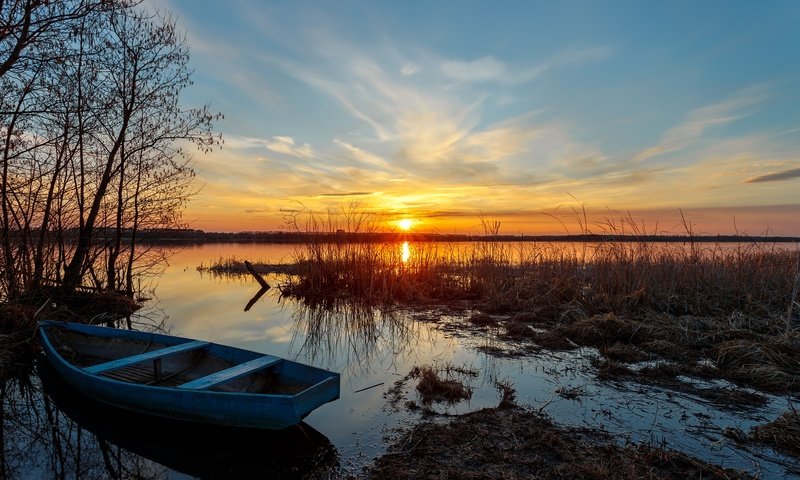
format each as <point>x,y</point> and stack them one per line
<point>196,449</point>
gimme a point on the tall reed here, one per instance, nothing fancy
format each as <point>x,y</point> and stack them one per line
<point>612,276</point>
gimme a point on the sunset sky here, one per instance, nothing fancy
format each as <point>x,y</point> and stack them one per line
<point>438,112</point>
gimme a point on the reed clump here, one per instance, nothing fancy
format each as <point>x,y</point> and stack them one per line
<point>235,267</point>
<point>382,273</point>
<point>782,433</point>
<point>630,300</point>
<point>549,283</point>
<point>439,385</point>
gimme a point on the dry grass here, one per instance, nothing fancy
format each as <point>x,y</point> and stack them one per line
<point>508,394</point>
<point>759,354</point>
<point>783,433</point>
<point>18,323</point>
<point>432,388</point>
<point>235,267</point>
<point>512,443</point>
<point>549,283</point>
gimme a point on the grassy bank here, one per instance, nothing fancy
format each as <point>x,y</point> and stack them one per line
<point>18,323</point>
<point>514,443</point>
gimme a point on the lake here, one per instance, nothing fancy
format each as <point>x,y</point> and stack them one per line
<point>372,350</point>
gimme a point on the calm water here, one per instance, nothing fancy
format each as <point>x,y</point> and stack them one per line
<point>370,349</point>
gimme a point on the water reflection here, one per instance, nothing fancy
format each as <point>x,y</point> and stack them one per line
<point>255,298</point>
<point>350,333</point>
<point>406,253</point>
<point>51,431</point>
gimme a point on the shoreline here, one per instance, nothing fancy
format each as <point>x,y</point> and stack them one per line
<point>199,237</point>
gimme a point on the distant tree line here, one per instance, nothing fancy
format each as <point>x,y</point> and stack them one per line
<point>92,139</point>
<point>194,236</point>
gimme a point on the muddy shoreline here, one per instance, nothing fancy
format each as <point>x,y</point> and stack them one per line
<point>515,443</point>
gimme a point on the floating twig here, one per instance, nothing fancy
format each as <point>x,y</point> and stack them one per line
<point>367,388</point>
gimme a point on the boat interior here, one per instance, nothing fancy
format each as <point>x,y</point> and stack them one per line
<point>190,365</point>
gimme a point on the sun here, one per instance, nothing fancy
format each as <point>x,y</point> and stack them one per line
<point>405,224</point>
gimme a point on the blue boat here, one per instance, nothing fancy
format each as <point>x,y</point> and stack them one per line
<point>185,379</point>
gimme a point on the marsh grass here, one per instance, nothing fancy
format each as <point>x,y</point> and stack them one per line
<point>442,384</point>
<point>378,273</point>
<point>734,305</point>
<point>554,281</point>
<point>234,267</point>
<point>633,300</point>
<point>782,433</point>
<point>513,443</point>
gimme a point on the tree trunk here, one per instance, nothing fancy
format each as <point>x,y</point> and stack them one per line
<point>74,271</point>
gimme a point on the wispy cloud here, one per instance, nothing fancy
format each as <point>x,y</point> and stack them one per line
<point>347,194</point>
<point>410,69</point>
<point>775,177</point>
<point>481,70</point>
<point>491,69</point>
<point>286,145</point>
<point>362,156</point>
<point>418,126</point>
<point>699,121</point>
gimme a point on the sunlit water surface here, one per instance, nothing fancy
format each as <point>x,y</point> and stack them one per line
<point>373,350</point>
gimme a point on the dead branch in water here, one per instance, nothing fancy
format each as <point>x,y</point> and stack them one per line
<point>256,275</point>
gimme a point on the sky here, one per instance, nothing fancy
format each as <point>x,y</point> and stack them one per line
<point>521,112</point>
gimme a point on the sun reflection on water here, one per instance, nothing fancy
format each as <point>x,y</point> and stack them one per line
<point>406,252</point>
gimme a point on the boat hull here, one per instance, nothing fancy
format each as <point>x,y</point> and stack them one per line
<point>247,410</point>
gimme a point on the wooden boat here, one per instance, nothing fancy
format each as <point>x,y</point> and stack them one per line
<point>185,379</point>
<point>195,449</point>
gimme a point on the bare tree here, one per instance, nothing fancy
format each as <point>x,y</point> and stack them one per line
<point>146,67</point>
<point>31,24</point>
<point>92,134</point>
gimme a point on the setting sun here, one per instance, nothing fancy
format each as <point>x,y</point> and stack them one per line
<point>405,224</point>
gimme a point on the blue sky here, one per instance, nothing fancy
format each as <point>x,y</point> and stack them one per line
<point>439,111</point>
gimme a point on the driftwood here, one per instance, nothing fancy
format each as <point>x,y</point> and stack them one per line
<point>259,278</point>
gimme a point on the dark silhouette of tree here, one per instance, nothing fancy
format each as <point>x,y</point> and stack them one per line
<point>92,134</point>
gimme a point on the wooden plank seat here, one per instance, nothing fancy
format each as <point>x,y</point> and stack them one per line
<point>147,356</point>
<point>214,379</point>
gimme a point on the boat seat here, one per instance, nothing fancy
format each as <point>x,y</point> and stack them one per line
<point>144,357</point>
<point>214,379</point>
